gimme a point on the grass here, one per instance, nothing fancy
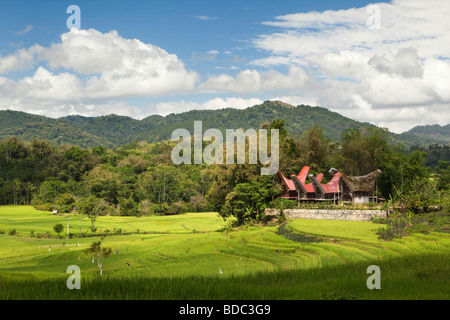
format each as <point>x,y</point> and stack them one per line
<point>178,262</point>
<point>25,219</point>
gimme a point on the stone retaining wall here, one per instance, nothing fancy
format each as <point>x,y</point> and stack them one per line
<point>351,215</point>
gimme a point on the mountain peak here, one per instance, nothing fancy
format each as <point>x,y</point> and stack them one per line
<point>278,103</point>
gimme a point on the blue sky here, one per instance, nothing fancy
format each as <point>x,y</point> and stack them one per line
<point>181,27</point>
<point>143,57</point>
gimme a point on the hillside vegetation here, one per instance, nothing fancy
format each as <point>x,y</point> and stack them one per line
<point>114,131</point>
<point>141,179</point>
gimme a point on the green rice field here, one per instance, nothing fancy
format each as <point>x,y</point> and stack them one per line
<point>194,256</point>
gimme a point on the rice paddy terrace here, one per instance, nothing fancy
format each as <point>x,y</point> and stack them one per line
<point>196,256</point>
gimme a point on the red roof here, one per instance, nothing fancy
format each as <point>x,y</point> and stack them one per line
<point>289,183</point>
<point>303,174</point>
<point>330,187</point>
<point>333,185</point>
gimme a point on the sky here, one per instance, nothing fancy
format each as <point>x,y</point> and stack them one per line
<point>386,63</point>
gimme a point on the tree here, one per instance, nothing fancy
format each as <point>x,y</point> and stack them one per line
<point>127,207</point>
<point>40,149</point>
<point>14,148</point>
<point>58,228</point>
<point>103,183</point>
<point>368,149</point>
<point>289,148</point>
<point>279,124</point>
<point>443,169</point>
<point>96,251</point>
<point>93,207</point>
<point>248,200</point>
<point>29,187</point>
<point>224,180</point>
<point>364,150</point>
<point>198,202</point>
<point>16,190</point>
<point>315,149</point>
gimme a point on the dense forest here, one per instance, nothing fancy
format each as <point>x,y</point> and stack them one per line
<point>140,178</point>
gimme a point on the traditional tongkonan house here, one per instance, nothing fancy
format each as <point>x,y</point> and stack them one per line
<point>349,189</point>
<point>296,188</point>
<point>358,189</point>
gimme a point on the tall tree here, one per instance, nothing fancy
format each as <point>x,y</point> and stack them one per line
<point>96,251</point>
<point>315,149</point>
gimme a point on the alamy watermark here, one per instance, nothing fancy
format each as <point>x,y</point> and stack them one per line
<point>74,280</point>
<point>374,281</point>
<point>236,140</point>
<point>74,21</point>
<point>374,20</point>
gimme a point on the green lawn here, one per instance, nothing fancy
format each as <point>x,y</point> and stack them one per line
<point>190,257</point>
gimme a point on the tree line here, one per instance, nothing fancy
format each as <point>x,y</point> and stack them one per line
<point>140,178</point>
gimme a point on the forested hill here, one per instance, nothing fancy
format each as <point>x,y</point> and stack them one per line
<point>112,130</point>
<point>428,134</point>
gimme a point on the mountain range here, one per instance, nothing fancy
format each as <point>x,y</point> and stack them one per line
<point>113,131</point>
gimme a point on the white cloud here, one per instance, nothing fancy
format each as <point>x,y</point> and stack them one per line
<point>297,100</point>
<point>404,24</point>
<point>370,73</point>
<point>27,29</point>
<point>94,109</point>
<point>90,68</point>
<point>113,67</point>
<point>206,18</point>
<point>274,61</point>
<point>165,108</point>
<point>21,60</point>
<point>405,63</point>
<point>227,68</point>
<point>126,67</point>
<point>253,81</point>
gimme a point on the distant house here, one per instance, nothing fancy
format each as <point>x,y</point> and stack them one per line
<point>358,189</point>
<point>361,189</point>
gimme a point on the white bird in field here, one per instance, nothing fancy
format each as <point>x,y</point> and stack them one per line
<point>220,270</point>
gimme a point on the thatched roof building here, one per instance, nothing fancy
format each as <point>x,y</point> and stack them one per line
<point>359,189</point>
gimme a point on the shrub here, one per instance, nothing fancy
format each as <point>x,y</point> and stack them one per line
<point>282,217</point>
<point>281,203</point>
<point>199,203</point>
<point>160,209</point>
<point>145,208</point>
<point>397,227</point>
<point>44,207</point>
<point>12,232</point>
<point>297,237</point>
<point>177,207</point>
<point>128,207</point>
<point>58,228</point>
<point>380,220</point>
